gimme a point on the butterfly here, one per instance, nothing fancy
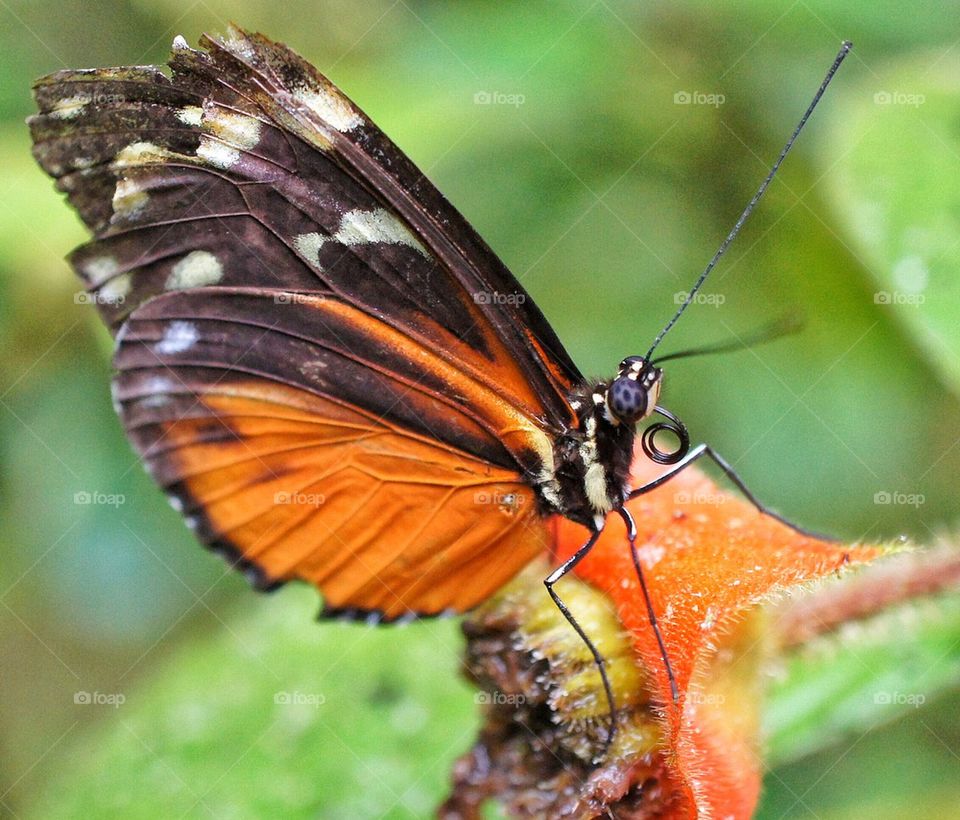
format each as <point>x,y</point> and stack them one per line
<point>327,370</point>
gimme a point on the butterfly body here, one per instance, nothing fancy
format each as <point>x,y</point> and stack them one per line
<point>592,460</point>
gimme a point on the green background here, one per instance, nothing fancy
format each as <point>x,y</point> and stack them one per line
<point>605,196</point>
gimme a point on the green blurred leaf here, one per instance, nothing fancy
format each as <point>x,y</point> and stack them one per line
<point>870,673</point>
<point>902,770</point>
<point>274,715</point>
<point>897,148</point>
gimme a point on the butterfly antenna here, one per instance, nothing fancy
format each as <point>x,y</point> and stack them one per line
<point>777,329</point>
<point>841,56</point>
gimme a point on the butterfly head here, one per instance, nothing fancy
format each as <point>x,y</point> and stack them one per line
<point>634,393</point>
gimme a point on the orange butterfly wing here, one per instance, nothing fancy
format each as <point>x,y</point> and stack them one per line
<point>276,464</point>
<point>382,521</point>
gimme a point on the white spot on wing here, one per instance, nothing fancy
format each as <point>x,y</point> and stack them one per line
<point>115,398</point>
<point>141,153</point>
<point>179,42</point>
<point>216,153</point>
<point>69,107</point>
<point>363,227</point>
<point>129,199</point>
<point>229,134</point>
<point>331,107</point>
<point>115,291</point>
<point>159,388</point>
<point>99,268</point>
<point>196,269</point>
<point>191,115</point>
<point>177,337</point>
<point>239,130</point>
<point>308,246</point>
<point>314,370</point>
<point>238,43</point>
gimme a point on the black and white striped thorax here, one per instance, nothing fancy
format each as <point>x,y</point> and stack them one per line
<point>591,468</point>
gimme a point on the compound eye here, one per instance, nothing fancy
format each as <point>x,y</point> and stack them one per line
<point>627,399</point>
<point>629,361</point>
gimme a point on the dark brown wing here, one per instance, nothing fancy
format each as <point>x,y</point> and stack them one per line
<point>248,167</point>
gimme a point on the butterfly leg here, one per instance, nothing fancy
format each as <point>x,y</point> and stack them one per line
<point>598,659</point>
<point>705,450</point>
<point>632,538</point>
